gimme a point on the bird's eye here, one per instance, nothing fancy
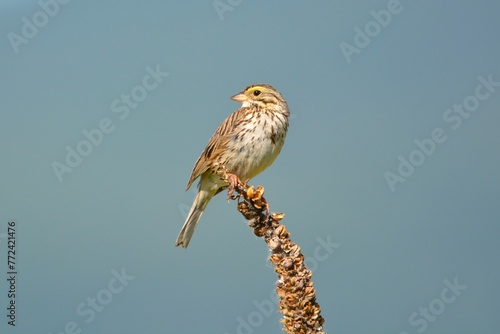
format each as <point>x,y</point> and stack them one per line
<point>256,92</point>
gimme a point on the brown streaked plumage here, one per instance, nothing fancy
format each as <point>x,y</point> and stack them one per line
<point>244,145</point>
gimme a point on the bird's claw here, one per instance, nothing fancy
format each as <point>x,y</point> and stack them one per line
<point>234,183</point>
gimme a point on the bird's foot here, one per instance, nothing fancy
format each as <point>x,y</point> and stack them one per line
<point>234,183</point>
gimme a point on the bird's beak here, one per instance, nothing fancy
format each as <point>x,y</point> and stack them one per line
<point>239,97</point>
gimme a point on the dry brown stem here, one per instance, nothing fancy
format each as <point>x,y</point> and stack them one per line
<point>295,290</point>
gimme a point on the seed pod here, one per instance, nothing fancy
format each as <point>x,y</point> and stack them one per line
<point>275,258</point>
<point>250,192</point>
<point>277,216</point>
<point>259,231</point>
<point>274,243</point>
<point>287,263</point>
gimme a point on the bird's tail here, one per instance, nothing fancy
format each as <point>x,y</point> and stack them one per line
<point>199,205</point>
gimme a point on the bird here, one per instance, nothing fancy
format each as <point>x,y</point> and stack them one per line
<point>244,145</point>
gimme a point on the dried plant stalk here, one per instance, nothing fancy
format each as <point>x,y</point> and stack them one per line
<point>296,294</point>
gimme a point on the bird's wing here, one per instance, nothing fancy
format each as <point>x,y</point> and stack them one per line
<point>218,143</point>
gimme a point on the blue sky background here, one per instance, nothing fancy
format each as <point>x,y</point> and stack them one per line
<point>391,250</point>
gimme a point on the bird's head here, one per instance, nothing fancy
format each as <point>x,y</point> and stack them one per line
<point>262,95</point>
